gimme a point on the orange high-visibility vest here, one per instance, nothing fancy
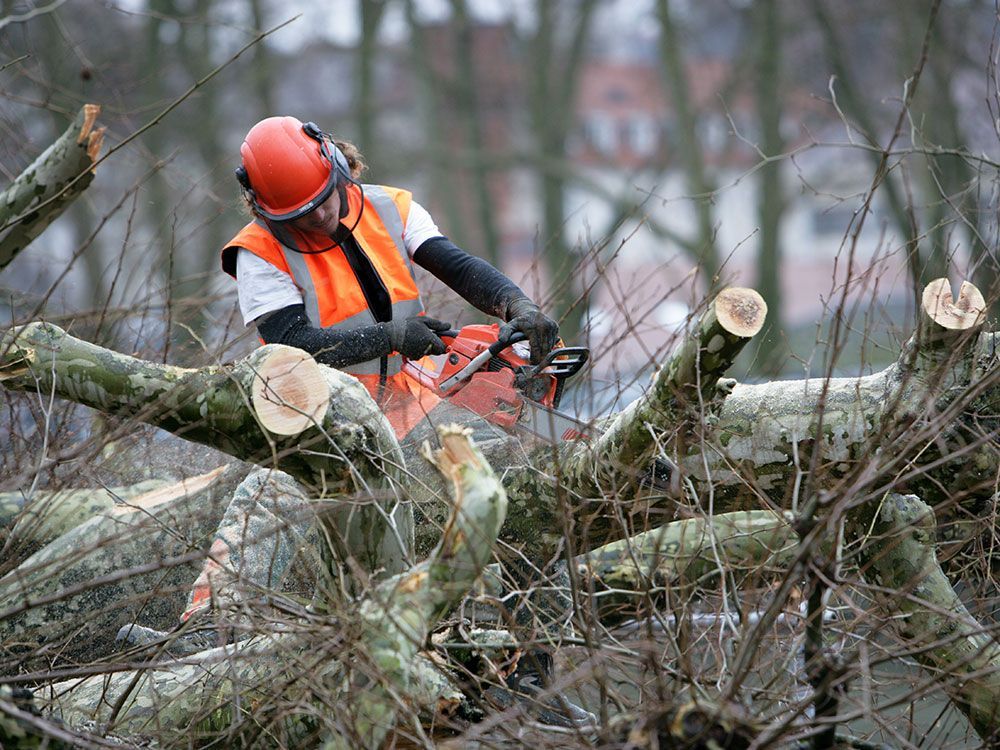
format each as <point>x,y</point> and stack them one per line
<point>333,296</point>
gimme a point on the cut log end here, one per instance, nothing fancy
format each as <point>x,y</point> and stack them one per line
<point>289,393</point>
<point>456,449</point>
<point>740,311</point>
<point>968,311</point>
<point>90,113</point>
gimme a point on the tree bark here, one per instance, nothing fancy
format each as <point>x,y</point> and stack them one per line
<point>632,576</point>
<point>756,443</point>
<point>680,391</point>
<point>898,556</point>
<point>367,104</point>
<point>36,521</point>
<point>40,194</point>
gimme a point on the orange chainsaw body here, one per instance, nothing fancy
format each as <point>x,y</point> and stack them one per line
<point>498,389</point>
<point>490,392</point>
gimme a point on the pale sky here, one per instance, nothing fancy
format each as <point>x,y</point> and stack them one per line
<point>338,20</point>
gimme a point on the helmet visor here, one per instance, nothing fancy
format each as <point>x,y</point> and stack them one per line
<point>309,205</point>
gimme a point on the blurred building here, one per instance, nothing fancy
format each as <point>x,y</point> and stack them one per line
<point>624,145</point>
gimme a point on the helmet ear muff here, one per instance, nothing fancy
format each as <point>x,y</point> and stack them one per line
<point>243,178</point>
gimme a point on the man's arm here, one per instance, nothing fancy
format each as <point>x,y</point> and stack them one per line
<point>490,291</point>
<point>475,280</point>
<point>411,337</point>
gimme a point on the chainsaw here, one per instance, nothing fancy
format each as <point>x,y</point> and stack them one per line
<point>496,381</point>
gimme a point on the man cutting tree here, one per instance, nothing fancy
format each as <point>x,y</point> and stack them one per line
<point>326,265</point>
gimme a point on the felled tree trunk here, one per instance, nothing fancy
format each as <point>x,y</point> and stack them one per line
<point>135,561</point>
<point>42,192</point>
<point>369,663</point>
<point>277,407</point>
<point>898,556</point>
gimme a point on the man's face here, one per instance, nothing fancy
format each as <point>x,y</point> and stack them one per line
<point>324,218</point>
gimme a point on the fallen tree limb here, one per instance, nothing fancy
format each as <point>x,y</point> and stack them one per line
<point>629,577</point>
<point>678,394</point>
<point>372,665</point>
<point>40,194</point>
<point>897,553</point>
<point>136,562</point>
<point>327,432</point>
<point>768,434</point>
<point>52,513</point>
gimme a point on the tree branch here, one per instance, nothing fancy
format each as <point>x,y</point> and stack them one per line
<point>40,194</point>
<point>277,406</point>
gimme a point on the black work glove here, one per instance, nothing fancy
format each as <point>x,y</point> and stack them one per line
<point>525,316</point>
<point>414,337</point>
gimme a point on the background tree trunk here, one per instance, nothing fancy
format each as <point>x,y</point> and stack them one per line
<point>768,37</point>
<point>689,145</point>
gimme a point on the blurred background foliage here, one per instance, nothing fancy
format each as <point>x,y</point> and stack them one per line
<point>619,158</point>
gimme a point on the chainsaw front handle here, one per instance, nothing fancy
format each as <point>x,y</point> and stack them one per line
<point>515,338</point>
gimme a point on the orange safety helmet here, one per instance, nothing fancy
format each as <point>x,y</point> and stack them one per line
<point>289,167</point>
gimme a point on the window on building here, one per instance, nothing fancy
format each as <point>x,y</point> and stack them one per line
<point>641,135</point>
<point>617,95</point>
<point>601,133</point>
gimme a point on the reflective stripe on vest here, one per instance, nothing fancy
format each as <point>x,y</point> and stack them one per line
<point>388,212</point>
